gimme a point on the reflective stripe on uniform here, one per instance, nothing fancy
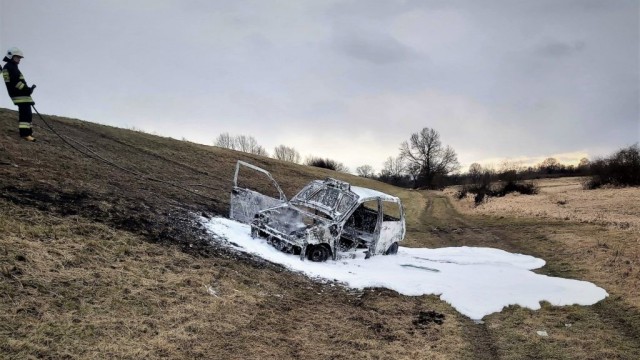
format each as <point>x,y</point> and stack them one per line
<point>21,76</point>
<point>20,85</point>
<point>5,75</point>
<point>24,125</point>
<point>21,99</point>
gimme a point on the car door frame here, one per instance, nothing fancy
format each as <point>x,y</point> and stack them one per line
<point>246,203</point>
<point>390,231</point>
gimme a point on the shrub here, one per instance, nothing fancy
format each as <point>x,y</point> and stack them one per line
<point>484,190</point>
<point>462,193</point>
<point>592,183</point>
<point>480,190</point>
<point>327,164</point>
<point>525,188</point>
<point>620,169</point>
<point>479,198</point>
<point>323,163</point>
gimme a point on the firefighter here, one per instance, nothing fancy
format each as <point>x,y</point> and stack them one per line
<point>19,91</point>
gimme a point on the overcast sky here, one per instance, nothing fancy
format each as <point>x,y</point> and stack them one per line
<point>349,80</point>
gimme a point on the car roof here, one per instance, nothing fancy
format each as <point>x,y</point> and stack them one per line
<point>365,194</point>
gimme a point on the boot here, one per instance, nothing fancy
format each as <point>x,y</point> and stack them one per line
<point>29,138</point>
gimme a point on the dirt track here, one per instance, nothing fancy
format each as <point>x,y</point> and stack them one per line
<point>618,316</point>
<point>98,262</point>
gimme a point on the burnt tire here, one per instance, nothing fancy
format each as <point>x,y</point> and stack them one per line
<point>318,253</point>
<point>392,250</point>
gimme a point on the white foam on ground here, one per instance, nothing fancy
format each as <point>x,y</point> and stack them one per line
<point>475,281</point>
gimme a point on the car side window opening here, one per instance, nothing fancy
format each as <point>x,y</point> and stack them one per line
<point>391,211</point>
<point>367,216</point>
<point>360,227</point>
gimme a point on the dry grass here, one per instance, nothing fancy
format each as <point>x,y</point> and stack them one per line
<point>76,289</point>
<point>606,330</point>
<point>608,248</point>
<point>96,263</point>
<point>564,199</point>
<point>574,332</point>
<point>591,235</point>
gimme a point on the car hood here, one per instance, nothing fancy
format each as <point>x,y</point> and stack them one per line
<point>288,219</point>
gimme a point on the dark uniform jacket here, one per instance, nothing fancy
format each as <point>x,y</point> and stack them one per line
<point>17,87</point>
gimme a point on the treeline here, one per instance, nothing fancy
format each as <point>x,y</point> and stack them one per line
<point>250,145</point>
<point>425,162</point>
<point>622,168</point>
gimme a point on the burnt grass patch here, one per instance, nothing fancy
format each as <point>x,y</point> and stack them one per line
<point>46,199</point>
<point>174,226</point>
<point>158,223</point>
<point>425,318</point>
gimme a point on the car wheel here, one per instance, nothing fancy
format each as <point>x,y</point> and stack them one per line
<point>278,244</point>
<point>393,249</point>
<point>318,253</point>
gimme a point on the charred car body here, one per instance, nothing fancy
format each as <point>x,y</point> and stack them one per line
<point>326,219</point>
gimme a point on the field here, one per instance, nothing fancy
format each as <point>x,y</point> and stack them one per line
<point>565,199</point>
<point>97,262</point>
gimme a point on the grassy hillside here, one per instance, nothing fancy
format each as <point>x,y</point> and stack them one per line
<point>96,262</point>
<point>52,176</point>
<point>83,274</point>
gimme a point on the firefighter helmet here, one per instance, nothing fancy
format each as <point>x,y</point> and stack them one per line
<point>14,51</point>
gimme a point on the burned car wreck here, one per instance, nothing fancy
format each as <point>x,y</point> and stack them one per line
<point>326,219</point>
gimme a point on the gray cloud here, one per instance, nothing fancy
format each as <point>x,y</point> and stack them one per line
<point>560,49</point>
<point>372,47</point>
<point>344,79</point>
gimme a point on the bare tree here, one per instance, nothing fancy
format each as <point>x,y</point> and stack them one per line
<point>246,143</point>
<point>475,172</point>
<point>226,141</point>
<point>343,168</point>
<point>249,145</point>
<point>261,151</point>
<point>510,170</point>
<point>285,153</point>
<point>365,171</point>
<point>507,165</point>
<point>584,165</point>
<point>549,165</point>
<point>242,143</point>
<point>393,170</point>
<point>425,155</point>
<point>393,167</point>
